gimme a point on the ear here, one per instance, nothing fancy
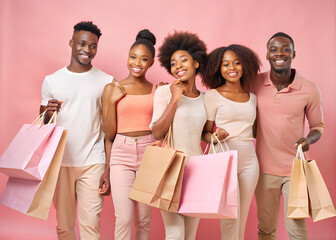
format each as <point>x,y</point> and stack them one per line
<point>267,57</point>
<point>196,64</point>
<point>71,43</point>
<point>294,54</point>
<point>152,63</point>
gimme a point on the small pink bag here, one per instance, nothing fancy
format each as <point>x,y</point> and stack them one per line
<point>209,188</point>
<point>29,154</point>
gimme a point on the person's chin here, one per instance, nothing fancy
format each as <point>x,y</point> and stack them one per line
<point>280,70</point>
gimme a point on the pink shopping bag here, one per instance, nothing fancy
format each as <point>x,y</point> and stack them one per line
<point>30,152</point>
<point>34,198</point>
<point>209,187</point>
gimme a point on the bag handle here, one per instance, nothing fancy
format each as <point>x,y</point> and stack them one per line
<point>167,140</point>
<point>299,153</point>
<point>39,119</point>
<point>212,145</point>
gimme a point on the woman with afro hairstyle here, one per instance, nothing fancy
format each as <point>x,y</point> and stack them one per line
<point>232,108</point>
<point>181,106</point>
<point>127,112</point>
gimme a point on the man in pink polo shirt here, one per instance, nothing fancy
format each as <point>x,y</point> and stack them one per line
<point>285,99</point>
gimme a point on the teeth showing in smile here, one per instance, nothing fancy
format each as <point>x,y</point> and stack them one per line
<point>136,69</point>
<point>181,73</point>
<point>85,56</point>
<point>279,61</point>
<point>232,74</point>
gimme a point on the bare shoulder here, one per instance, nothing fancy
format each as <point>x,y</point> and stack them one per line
<point>109,87</point>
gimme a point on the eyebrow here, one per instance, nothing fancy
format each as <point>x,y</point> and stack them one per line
<point>83,41</point>
<point>144,55</point>
<point>287,45</point>
<point>179,57</point>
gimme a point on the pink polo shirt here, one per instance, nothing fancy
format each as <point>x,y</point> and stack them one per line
<point>281,118</point>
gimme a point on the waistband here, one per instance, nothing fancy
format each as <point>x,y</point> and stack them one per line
<point>240,142</point>
<point>140,139</point>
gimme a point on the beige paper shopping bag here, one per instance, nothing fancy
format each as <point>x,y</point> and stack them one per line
<point>298,194</point>
<point>321,205</point>
<point>158,181</point>
<point>44,195</point>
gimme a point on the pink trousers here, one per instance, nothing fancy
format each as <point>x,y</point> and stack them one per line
<point>125,160</point>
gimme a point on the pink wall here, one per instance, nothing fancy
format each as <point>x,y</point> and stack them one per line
<point>34,42</point>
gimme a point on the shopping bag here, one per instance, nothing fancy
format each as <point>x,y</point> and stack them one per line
<point>34,198</point>
<point>298,194</point>
<point>210,184</point>
<point>29,154</point>
<point>321,205</point>
<point>159,180</point>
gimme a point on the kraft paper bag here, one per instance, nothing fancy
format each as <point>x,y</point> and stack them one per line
<point>34,198</point>
<point>159,179</point>
<point>321,205</point>
<point>298,194</point>
<point>29,154</point>
<point>210,185</point>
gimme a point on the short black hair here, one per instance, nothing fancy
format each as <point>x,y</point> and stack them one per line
<point>212,77</point>
<point>146,38</point>
<point>186,41</point>
<point>281,34</point>
<point>87,26</point>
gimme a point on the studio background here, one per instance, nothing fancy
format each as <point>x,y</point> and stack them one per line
<point>34,43</point>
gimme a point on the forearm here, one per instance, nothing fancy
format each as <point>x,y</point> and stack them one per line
<point>208,132</point>
<point>161,126</point>
<point>109,122</point>
<point>313,136</point>
<point>108,148</point>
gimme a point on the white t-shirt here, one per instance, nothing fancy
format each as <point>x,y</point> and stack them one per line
<point>80,113</point>
<point>237,118</point>
<point>188,121</point>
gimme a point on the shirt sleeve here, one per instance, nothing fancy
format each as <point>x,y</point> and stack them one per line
<point>46,93</point>
<point>162,96</point>
<point>210,105</point>
<point>314,112</point>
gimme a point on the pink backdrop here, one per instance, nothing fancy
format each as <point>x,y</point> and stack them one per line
<point>34,43</point>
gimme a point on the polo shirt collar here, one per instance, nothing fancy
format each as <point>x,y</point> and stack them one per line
<point>296,84</point>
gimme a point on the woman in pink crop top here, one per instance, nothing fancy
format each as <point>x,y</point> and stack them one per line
<point>127,109</point>
<point>232,108</point>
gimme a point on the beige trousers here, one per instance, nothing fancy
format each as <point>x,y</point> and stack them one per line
<point>248,173</point>
<point>268,193</point>
<point>179,227</point>
<point>78,186</point>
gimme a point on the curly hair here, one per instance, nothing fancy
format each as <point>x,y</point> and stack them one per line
<point>212,77</point>
<point>186,41</point>
<point>87,26</point>
<point>281,34</point>
<point>145,37</point>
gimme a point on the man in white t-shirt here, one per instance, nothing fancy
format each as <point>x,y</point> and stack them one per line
<point>75,93</point>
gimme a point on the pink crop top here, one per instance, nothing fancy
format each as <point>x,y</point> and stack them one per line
<point>134,112</point>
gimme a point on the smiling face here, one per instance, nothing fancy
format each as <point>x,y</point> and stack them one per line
<point>231,68</point>
<point>183,66</point>
<point>280,52</point>
<point>84,47</point>
<point>139,60</point>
